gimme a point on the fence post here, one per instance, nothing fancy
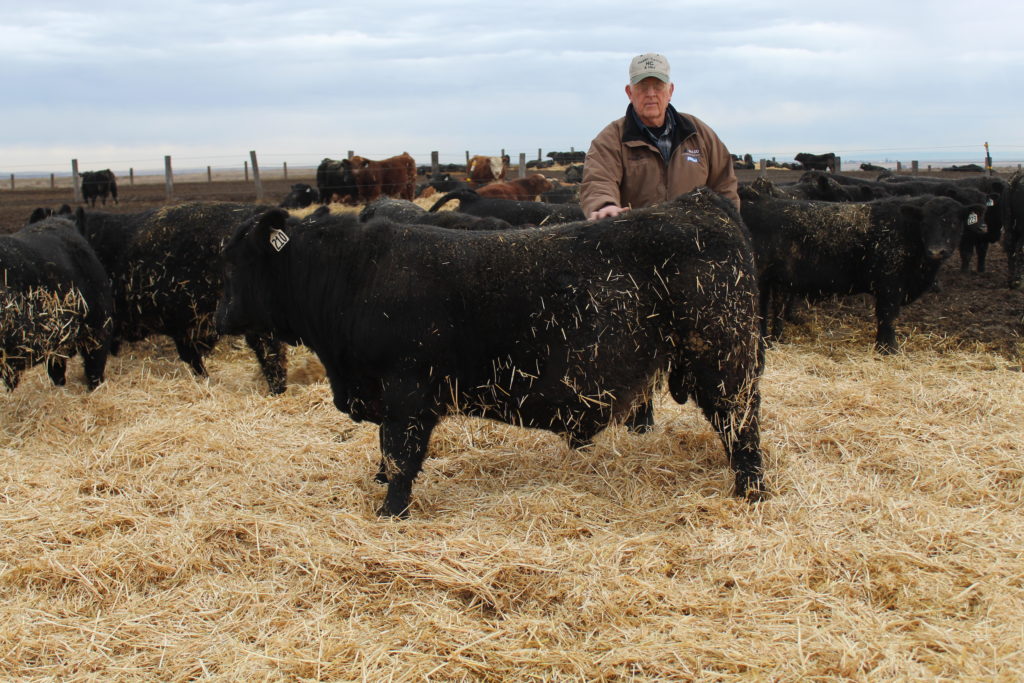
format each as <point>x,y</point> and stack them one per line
<point>246,163</point>
<point>467,161</point>
<point>539,157</point>
<point>53,181</point>
<point>74,181</point>
<point>435,166</point>
<point>762,168</point>
<point>522,164</point>
<point>12,181</point>
<point>168,177</point>
<point>351,154</point>
<point>256,176</point>
<point>286,170</point>
<point>913,167</point>
<point>838,165</point>
<point>209,175</point>
<point>899,166</point>
<point>131,176</point>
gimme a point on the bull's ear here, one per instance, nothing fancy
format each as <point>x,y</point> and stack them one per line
<point>271,232</point>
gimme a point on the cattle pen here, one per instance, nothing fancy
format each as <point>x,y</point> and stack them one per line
<point>168,527</point>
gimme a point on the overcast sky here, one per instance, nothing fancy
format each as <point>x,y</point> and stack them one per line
<point>121,84</point>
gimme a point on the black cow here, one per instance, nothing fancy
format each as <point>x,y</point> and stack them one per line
<point>746,162</point>
<point>890,248</point>
<point>300,196</point>
<point>562,194</point>
<point>1013,239</point>
<point>334,179</point>
<point>98,185</point>
<point>827,187</point>
<point>166,270</point>
<point>966,168</point>
<point>871,167</point>
<point>817,162</point>
<point>444,182</point>
<point>407,213</point>
<point>563,329</point>
<point>566,158</point>
<point>55,301</point>
<point>995,217</point>
<point>574,173</point>
<point>515,211</point>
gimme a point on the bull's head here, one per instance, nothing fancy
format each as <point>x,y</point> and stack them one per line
<point>251,258</point>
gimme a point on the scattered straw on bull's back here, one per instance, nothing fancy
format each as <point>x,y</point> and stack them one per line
<point>165,527</point>
<point>40,323</point>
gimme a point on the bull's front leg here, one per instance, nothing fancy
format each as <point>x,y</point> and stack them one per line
<point>887,307</point>
<point>403,447</point>
<point>56,368</point>
<point>273,360</point>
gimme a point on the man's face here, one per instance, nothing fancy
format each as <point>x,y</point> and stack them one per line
<point>650,97</point>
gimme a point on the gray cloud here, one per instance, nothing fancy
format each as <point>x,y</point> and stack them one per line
<point>113,81</point>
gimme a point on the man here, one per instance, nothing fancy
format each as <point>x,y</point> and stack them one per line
<point>653,153</point>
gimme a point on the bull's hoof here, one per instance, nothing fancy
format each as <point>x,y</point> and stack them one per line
<point>577,443</point>
<point>641,428</point>
<point>380,478</point>
<point>751,487</point>
<point>386,511</point>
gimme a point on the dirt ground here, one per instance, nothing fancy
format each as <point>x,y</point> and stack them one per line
<point>971,311</point>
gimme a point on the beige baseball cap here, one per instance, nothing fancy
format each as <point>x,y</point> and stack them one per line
<point>648,65</point>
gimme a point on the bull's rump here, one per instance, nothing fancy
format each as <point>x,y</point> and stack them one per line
<point>524,324</point>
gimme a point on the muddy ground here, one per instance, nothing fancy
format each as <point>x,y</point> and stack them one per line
<point>972,310</point>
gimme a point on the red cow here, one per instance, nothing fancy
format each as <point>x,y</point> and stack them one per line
<point>394,177</point>
<point>525,189</point>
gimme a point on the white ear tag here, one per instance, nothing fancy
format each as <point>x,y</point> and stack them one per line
<point>972,218</point>
<point>278,239</point>
<point>990,203</point>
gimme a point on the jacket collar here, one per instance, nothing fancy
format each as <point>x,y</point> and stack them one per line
<point>682,128</point>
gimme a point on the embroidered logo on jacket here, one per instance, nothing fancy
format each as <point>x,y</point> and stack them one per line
<point>693,155</point>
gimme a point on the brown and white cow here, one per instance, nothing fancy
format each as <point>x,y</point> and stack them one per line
<point>484,169</point>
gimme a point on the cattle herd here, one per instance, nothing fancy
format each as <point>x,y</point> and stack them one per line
<point>511,307</point>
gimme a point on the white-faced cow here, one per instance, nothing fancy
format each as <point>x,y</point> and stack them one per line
<point>564,329</point>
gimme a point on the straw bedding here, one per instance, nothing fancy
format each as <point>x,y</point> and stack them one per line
<point>173,528</point>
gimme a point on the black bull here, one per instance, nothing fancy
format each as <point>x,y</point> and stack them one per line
<point>564,329</point>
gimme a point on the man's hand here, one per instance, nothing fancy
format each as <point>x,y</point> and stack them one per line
<point>606,212</point>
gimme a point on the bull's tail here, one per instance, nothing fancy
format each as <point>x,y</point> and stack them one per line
<point>464,197</point>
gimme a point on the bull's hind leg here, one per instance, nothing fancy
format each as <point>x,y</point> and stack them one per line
<point>641,420</point>
<point>94,362</point>
<point>726,389</point>
<point>403,446</point>
<point>192,351</point>
<point>270,354</point>
<point>56,368</point>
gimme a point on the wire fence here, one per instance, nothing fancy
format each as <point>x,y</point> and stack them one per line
<point>303,165</point>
